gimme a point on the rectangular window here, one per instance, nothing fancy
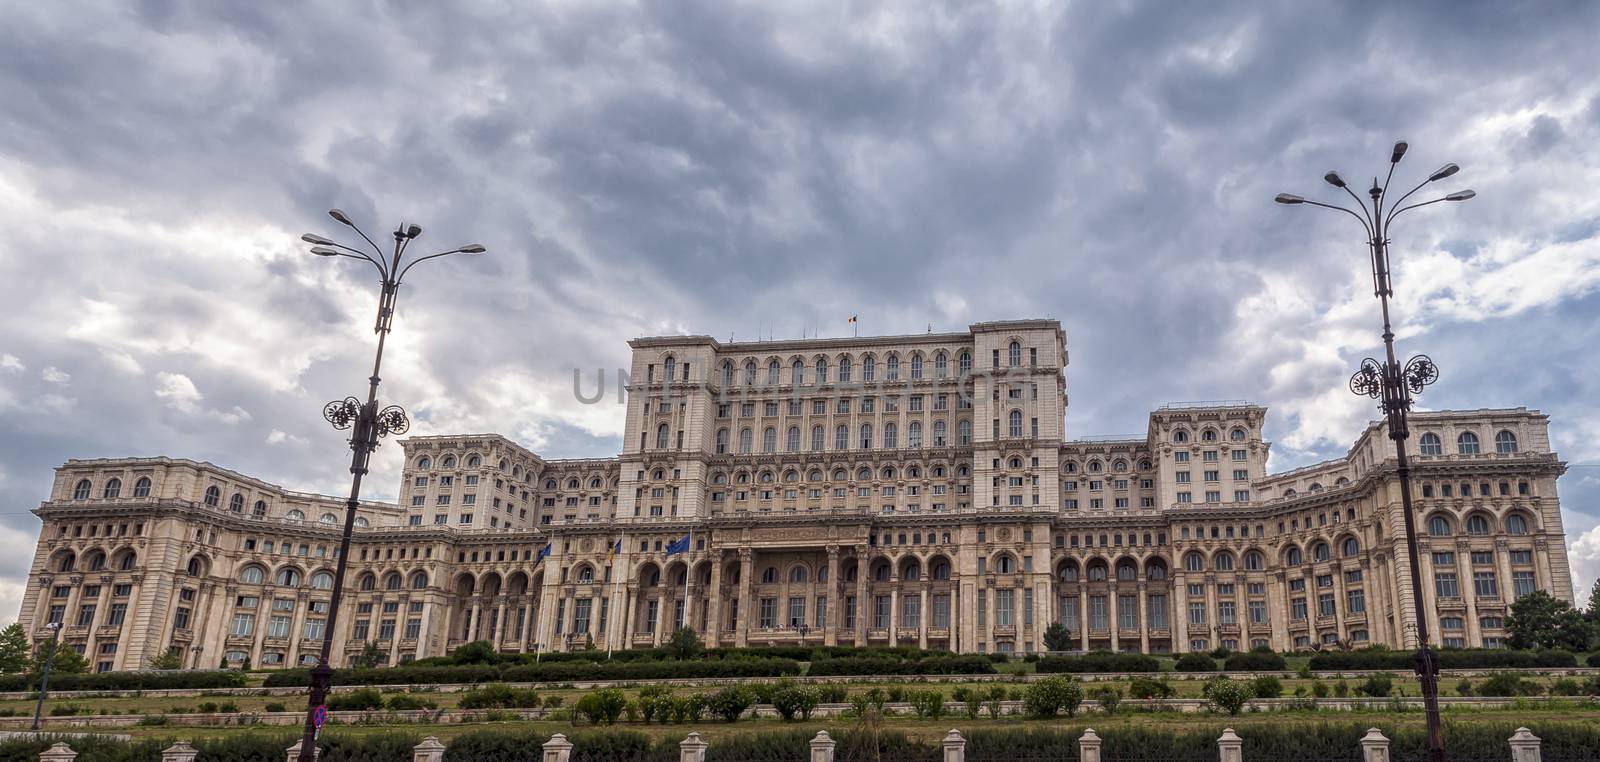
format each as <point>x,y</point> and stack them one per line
<point>1485,584</point>
<point>1002,608</point>
<point>243,624</point>
<point>413,629</point>
<point>1197,612</point>
<point>278,627</point>
<point>911,612</point>
<point>1128,612</point>
<point>769,612</point>
<point>386,630</point>
<point>1099,616</point>
<point>581,610</point>
<point>1357,601</point>
<point>850,612</point>
<point>1325,604</point>
<point>1445,585</point>
<point>1522,583</point>
<point>1158,611</point>
<point>880,613</point>
<point>983,607</point>
<point>1297,609</point>
<point>1258,612</point>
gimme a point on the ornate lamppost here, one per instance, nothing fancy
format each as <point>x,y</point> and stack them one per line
<point>44,677</point>
<point>1395,386</point>
<point>367,424</point>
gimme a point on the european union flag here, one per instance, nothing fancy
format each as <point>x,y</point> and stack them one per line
<point>680,545</point>
<point>544,551</point>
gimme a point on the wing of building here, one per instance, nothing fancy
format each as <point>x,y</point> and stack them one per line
<point>914,490</point>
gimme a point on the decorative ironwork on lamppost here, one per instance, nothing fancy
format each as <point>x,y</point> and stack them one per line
<point>1394,386</point>
<point>366,423</point>
<point>44,677</point>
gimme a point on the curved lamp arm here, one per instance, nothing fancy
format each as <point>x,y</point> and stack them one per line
<point>329,251</point>
<point>1457,196</point>
<point>470,249</point>
<point>1358,217</point>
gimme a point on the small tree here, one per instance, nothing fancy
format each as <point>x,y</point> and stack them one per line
<point>1109,697</point>
<point>602,706</point>
<point>14,649</point>
<point>1048,696</point>
<point>1541,620</point>
<point>67,660</point>
<point>245,665</point>
<point>791,699</point>
<point>370,656</point>
<point>1377,686</point>
<point>684,645</point>
<point>730,703</point>
<point>1057,637</point>
<point>1267,686</point>
<point>171,658</point>
<point>1228,695</point>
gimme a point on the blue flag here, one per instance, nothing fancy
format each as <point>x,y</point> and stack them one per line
<point>680,545</point>
<point>544,551</point>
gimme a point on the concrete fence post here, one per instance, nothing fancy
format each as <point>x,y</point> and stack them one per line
<point>692,749</point>
<point>430,750</point>
<point>1089,746</point>
<point>822,747</point>
<point>557,749</point>
<point>1374,746</point>
<point>1230,746</point>
<point>294,753</point>
<point>955,747</point>
<point>179,752</point>
<point>60,752</point>
<point>1524,746</point>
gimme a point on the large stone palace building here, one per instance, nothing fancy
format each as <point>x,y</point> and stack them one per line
<point>915,490</point>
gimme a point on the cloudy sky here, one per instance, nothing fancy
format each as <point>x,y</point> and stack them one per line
<point>754,168</point>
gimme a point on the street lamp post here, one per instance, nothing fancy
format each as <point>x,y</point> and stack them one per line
<point>44,676</point>
<point>1395,386</point>
<point>368,423</point>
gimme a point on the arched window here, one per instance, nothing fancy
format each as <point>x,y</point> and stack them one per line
<point>1097,571</point>
<point>792,441</point>
<point>1351,548</point>
<point>213,496</point>
<point>744,441</point>
<point>769,439</point>
<point>82,489</point>
<point>841,437</point>
<point>585,575</point>
<point>1320,552</point>
<point>473,461</point>
<point>296,515</point>
<point>113,489</point>
<point>670,367</point>
<point>890,436</point>
<point>1477,524</point>
<point>322,581</point>
<point>727,372</point>
<point>797,372</point>
<point>1516,524</point>
<point>391,581</point>
<point>769,575</point>
<point>128,562</point>
<point>963,432</point>
<point>1127,571</point>
<point>141,488</point>
<point>799,574</point>
<point>362,523</point>
<point>819,437</point>
<point>661,437</point>
<point>1014,354</point>
<point>749,372</point>
<point>821,375</point>
<point>1237,435</point>
<point>1155,570</point>
<point>424,462</point>
<point>1253,561</point>
<point>288,577</point>
<point>236,503</point>
<point>260,509</point>
<point>196,567</point>
<point>328,518</point>
<point>367,582</point>
<point>916,367</point>
<point>914,435</point>
<point>1067,573</point>
<point>252,575</point>
<point>1467,443</point>
<point>964,363</point>
<point>1505,443</point>
<point>845,367</point>
<point>773,371</point>
<point>940,431</point>
<point>891,368</point>
<point>1180,436</point>
<point>95,560</point>
<point>1438,526</point>
<point>913,572</point>
<point>1005,564</point>
<point>941,365</point>
<point>1292,557</point>
<point>1194,562</point>
<point>1223,561</point>
<point>866,436</point>
<point>1014,427</point>
<point>1209,435</point>
<point>869,368</point>
<point>448,462</point>
<point>419,580</point>
<point>722,441</point>
<point>1429,444</point>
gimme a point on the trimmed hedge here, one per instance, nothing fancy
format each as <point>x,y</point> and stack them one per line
<point>971,664</point>
<point>1100,661</point>
<point>544,672</point>
<point>237,747</point>
<point>130,681</point>
<point>1593,660</point>
<point>1195,662</point>
<point>1255,662</point>
<point>1449,658</point>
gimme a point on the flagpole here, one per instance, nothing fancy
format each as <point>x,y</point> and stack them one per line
<point>615,578</point>
<point>687,570</point>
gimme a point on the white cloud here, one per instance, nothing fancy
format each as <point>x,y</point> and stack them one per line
<point>10,364</point>
<point>53,375</point>
<point>278,436</point>
<point>122,361</point>
<point>177,391</point>
<point>1584,556</point>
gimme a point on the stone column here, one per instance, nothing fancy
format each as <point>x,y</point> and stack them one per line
<point>714,602</point>
<point>1144,618</point>
<point>822,747</point>
<point>955,747</point>
<point>529,604</point>
<point>1180,612</point>
<point>1524,746</point>
<point>1083,617</point>
<point>830,635</point>
<point>430,750</point>
<point>691,748</point>
<point>1089,746</point>
<point>557,749</point>
<point>861,594</point>
<point>474,621</point>
<point>746,572</point>
<point>1230,747</point>
<point>1277,611</point>
<point>1374,746</point>
<point>922,620</point>
<point>1212,619</point>
<point>894,609</point>
<point>1112,610</point>
<point>629,616</point>
<point>500,629</point>
<point>1502,569</point>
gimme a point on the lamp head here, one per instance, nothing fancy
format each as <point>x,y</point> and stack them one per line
<point>313,238</point>
<point>341,217</point>
<point>1334,179</point>
<point>472,248</point>
<point>1289,198</point>
<point>1461,195</point>
<point>1443,172</point>
<point>1400,147</point>
<point>412,231</point>
<point>323,251</point>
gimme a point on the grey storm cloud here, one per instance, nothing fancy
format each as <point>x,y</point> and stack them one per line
<point>769,168</point>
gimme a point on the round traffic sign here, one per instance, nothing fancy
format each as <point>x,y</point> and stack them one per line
<point>319,715</point>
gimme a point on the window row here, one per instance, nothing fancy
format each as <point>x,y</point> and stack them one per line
<point>842,440</point>
<point>1505,443</point>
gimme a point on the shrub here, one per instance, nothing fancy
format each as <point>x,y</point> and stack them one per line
<point>1504,684</point>
<point>1146,688</point>
<point>1227,695</point>
<point>1449,658</point>
<point>1319,689</point>
<point>353,701</point>
<point>1196,662</point>
<point>831,694</point>
<point>1341,689</point>
<point>153,720</point>
<point>276,706</point>
<point>997,694</point>
<point>1255,661</point>
<point>1464,688</point>
<point>499,696</point>
<point>791,699</point>
<point>1593,660</point>
<point>1048,696</point>
<point>1266,686</point>
<point>1099,661</point>
<point>602,706</point>
<point>552,702</point>
<point>1377,686</point>
<point>1109,697</point>
<point>654,700</point>
<point>405,702</point>
<point>730,703</point>
<point>1566,686</point>
<point>928,704</point>
<point>208,707</point>
<point>194,679</point>
<point>67,710</point>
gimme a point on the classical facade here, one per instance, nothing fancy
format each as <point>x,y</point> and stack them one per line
<point>915,490</point>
